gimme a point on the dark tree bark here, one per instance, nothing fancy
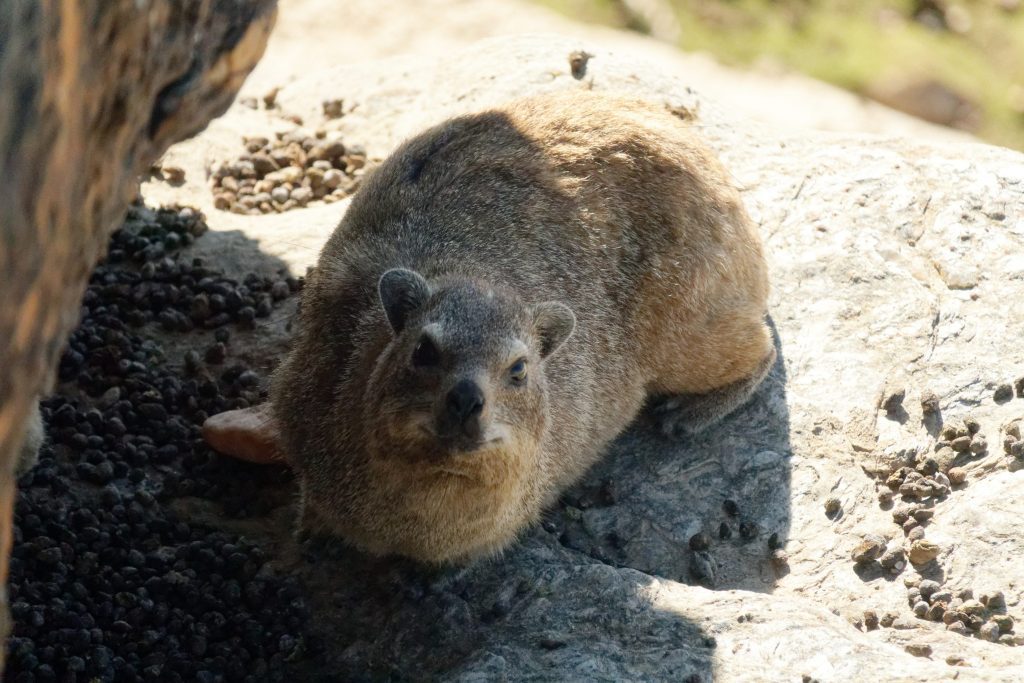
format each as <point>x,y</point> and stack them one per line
<point>91,93</point>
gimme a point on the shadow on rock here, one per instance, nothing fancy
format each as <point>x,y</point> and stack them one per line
<point>578,597</point>
<point>539,612</point>
<point>645,505</point>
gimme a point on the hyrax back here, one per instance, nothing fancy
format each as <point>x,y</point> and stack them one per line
<point>499,301</point>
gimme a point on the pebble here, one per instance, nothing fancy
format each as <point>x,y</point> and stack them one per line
<point>749,530</point>
<point>903,624</point>
<point>885,498</point>
<point>902,513</point>
<point>895,480</point>
<point>916,533</point>
<point>870,619</point>
<point>173,174</point>
<point>994,600</point>
<point>954,429</point>
<point>989,632</point>
<point>973,621</point>
<point>215,354</point>
<point>961,444</point>
<point>302,195</point>
<point>270,98</point>
<point>333,178</point>
<point>945,456</point>
<point>332,108</point>
<point>1018,385</point>
<point>280,291</point>
<point>914,491</point>
<point>892,402</point>
<point>958,627</point>
<point>923,515</point>
<point>973,608</point>
<point>280,194</point>
<point>919,649</point>
<point>724,531</point>
<point>1003,393</point>
<point>888,619</point>
<point>923,551</point>
<point>942,596</point>
<point>935,612</point>
<point>928,588</point>
<point>869,549</point>
<point>700,541</point>
<point>832,506</point>
<point>929,403</point>
<point>893,560</point>
<point>928,466</point>
<point>1004,622</point>
<point>973,426</point>
<point>978,445</point>
<point>957,476</point>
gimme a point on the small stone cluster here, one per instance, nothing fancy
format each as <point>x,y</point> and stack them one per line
<point>107,580</point>
<point>702,565</point>
<point>920,479</point>
<point>291,171</point>
<point>872,548</point>
<point>983,617</point>
<point>1013,445</point>
<point>1005,392</point>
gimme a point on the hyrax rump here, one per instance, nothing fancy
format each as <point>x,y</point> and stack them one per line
<point>503,295</point>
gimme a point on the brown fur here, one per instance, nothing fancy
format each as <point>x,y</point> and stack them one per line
<point>608,205</point>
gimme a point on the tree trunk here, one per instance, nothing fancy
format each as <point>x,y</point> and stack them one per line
<point>91,93</point>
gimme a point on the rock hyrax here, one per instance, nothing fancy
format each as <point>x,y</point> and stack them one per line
<point>502,297</point>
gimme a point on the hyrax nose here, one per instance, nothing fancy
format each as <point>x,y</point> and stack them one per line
<point>465,402</point>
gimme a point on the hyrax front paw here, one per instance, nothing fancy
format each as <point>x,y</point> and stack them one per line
<point>683,415</point>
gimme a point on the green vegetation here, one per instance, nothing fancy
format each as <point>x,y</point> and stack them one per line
<point>973,48</point>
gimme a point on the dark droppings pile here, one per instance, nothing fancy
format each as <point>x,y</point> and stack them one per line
<point>107,582</point>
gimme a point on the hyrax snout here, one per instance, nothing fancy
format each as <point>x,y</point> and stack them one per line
<point>503,296</point>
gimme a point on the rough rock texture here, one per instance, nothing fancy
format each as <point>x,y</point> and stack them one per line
<point>370,29</point>
<point>896,265</point>
<point>93,91</point>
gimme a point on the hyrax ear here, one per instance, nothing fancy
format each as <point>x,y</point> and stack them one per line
<point>553,323</point>
<point>402,292</point>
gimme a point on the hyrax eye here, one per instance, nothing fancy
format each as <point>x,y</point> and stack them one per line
<point>425,354</point>
<point>517,373</point>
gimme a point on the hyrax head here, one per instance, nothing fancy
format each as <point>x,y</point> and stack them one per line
<point>463,376</point>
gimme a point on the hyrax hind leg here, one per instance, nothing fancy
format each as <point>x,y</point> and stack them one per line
<point>713,382</point>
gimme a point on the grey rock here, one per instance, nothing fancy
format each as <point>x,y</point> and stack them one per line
<point>928,588</point>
